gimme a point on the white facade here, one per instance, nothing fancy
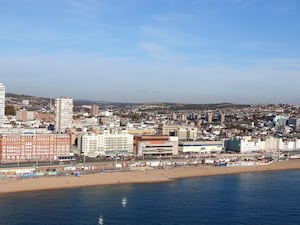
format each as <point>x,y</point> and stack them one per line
<point>203,147</point>
<point>63,114</point>
<point>92,145</point>
<point>287,145</point>
<point>249,145</point>
<point>270,144</point>
<point>158,147</point>
<point>107,144</point>
<point>2,104</point>
<point>297,144</point>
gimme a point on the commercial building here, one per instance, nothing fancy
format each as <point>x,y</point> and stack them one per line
<point>210,117</point>
<point>138,132</point>
<point>23,115</point>
<point>183,117</point>
<point>173,116</point>
<point>2,104</point>
<point>182,132</point>
<point>203,147</point>
<point>281,120</point>
<point>294,122</point>
<point>63,114</point>
<point>94,110</point>
<point>156,145</point>
<point>187,133</point>
<point>33,147</point>
<point>107,144</point>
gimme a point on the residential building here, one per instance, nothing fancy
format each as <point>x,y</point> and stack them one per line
<point>63,114</point>
<point>248,144</point>
<point>94,110</point>
<point>46,117</point>
<point>187,133</point>
<point>210,117</point>
<point>245,144</point>
<point>183,117</point>
<point>182,132</point>
<point>173,116</point>
<point>280,121</point>
<point>295,123</point>
<point>222,119</point>
<point>107,144</point>
<point>22,115</point>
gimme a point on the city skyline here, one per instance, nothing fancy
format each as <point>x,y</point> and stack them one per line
<point>235,51</point>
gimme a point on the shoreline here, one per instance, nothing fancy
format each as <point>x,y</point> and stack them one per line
<point>13,185</point>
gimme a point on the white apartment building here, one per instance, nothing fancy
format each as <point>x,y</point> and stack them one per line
<point>2,104</point>
<point>107,144</point>
<point>63,114</point>
<point>248,144</point>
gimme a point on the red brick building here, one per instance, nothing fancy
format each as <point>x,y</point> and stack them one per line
<point>33,147</point>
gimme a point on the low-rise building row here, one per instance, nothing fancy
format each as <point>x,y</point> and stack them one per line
<point>249,144</point>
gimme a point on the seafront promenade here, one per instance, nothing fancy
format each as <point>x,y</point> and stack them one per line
<point>145,175</point>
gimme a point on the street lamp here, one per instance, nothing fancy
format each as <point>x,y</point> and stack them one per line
<point>160,157</point>
<point>36,163</point>
<point>116,159</point>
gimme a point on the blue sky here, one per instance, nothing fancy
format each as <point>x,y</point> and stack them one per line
<point>194,51</point>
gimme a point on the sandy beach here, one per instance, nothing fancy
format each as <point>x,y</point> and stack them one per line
<point>13,185</point>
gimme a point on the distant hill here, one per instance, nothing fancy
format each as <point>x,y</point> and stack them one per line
<point>22,97</point>
<point>211,106</point>
<point>170,106</point>
<point>11,95</point>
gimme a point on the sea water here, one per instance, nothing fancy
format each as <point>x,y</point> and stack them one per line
<point>249,198</point>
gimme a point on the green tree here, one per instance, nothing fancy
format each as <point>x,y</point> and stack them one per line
<point>10,110</point>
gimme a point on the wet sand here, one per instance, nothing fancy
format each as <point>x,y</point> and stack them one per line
<point>13,185</point>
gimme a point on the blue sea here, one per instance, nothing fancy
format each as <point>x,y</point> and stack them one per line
<point>250,198</point>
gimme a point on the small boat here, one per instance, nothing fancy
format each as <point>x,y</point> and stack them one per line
<point>124,202</point>
<point>100,221</point>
